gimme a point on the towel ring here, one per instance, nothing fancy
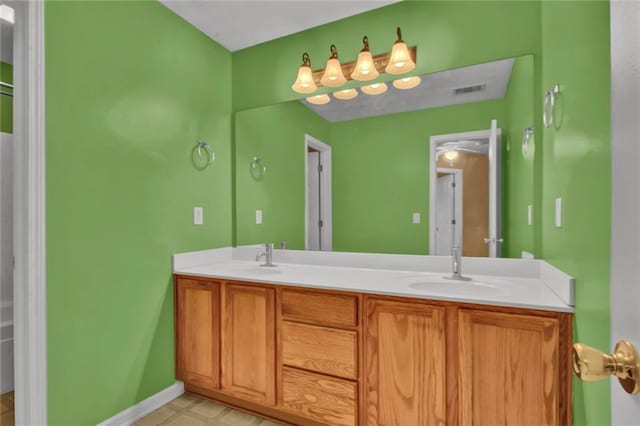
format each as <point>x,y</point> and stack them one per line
<point>549,106</point>
<point>258,168</point>
<point>527,132</point>
<point>203,146</point>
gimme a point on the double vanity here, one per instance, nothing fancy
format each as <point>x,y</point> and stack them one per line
<point>374,339</point>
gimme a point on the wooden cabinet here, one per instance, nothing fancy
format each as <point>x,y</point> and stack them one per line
<point>248,342</point>
<point>314,357</point>
<point>405,363</point>
<point>509,369</point>
<point>197,332</point>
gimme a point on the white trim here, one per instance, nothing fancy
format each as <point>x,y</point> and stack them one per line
<point>326,192</point>
<point>141,409</point>
<point>29,217</point>
<point>433,143</point>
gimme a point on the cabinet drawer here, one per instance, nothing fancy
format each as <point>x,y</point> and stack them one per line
<point>335,309</point>
<point>321,349</point>
<point>321,398</point>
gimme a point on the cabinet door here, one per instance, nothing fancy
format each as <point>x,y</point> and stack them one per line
<point>509,369</point>
<point>248,342</point>
<point>198,333</point>
<point>405,364</point>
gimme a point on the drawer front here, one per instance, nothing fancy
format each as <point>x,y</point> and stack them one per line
<point>321,398</point>
<point>334,309</point>
<point>320,349</point>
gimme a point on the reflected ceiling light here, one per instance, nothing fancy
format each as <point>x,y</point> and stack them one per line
<point>407,82</point>
<point>400,61</point>
<point>346,94</point>
<point>333,75</point>
<point>374,89</point>
<point>7,13</point>
<point>319,99</point>
<point>304,83</point>
<point>365,69</point>
<point>451,155</point>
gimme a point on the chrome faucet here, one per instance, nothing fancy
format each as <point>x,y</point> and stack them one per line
<point>456,266</point>
<point>268,255</point>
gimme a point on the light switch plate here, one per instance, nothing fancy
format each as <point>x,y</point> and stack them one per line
<point>529,214</point>
<point>416,218</point>
<point>558,212</point>
<point>258,217</point>
<point>198,216</point>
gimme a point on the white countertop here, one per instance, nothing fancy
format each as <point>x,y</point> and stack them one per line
<point>515,291</point>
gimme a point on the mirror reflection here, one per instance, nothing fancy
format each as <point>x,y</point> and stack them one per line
<point>417,170</point>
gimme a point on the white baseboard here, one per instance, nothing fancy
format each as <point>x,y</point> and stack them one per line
<point>141,409</point>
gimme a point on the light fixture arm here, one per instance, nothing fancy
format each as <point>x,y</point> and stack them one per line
<point>365,42</point>
<point>334,52</point>
<point>306,59</point>
<point>399,33</point>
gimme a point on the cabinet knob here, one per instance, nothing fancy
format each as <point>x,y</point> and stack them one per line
<point>591,364</point>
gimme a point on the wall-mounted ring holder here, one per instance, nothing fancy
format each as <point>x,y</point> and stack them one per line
<point>258,168</point>
<point>527,132</point>
<point>549,106</point>
<point>202,155</point>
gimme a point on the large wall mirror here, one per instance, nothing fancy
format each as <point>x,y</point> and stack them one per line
<point>420,170</point>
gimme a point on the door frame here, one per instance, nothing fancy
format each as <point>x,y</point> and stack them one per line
<point>459,179</point>
<point>433,143</point>
<point>326,192</point>
<point>30,295</point>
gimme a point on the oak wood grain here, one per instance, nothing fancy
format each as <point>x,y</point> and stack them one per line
<point>326,399</point>
<point>509,369</point>
<point>320,307</point>
<point>320,349</point>
<point>405,362</point>
<point>248,342</point>
<point>198,332</point>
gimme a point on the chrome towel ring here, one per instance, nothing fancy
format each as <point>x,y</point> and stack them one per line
<point>527,132</point>
<point>202,146</point>
<point>549,106</point>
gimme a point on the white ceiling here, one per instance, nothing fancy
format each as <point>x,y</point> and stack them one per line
<point>435,90</point>
<point>239,24</point>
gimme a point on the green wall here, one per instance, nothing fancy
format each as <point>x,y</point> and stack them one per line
<point>6,102</point>
<point>381,175</point>
<point>517,168</point>
<point>130,89</point>
<point>276,134</point>
<point>448,34</point>
<point>576,166</point>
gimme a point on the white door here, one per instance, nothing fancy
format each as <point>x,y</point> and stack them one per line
<point>494,239</point>
<point>314,237</point>
<point>6,258</point>
<point>625,224</point>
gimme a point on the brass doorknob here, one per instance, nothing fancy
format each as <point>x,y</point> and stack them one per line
<point>591,364</point>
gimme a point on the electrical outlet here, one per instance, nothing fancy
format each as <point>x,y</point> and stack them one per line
<point>258,217</point>
<point>558,212</point>
<point>198,216</point>
<point>529,214</point>
<point>416,218</point>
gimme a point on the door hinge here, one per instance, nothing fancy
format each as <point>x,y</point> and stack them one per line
<point>320,168</point>
<point>453,184</point>
<point>453,222</point>
<point>320,223</point>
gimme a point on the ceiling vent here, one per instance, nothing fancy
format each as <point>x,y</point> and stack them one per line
<point>469,89</point>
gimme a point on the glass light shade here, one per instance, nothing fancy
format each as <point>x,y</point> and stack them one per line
<point>374,89</point>
<point>451,155</point>
<point>304,83</point>
<point>407,82</point>
<point>319,99</point>
<point>365,69</point>
<point>333,76</point>
<point>346,94</point>
<point>400,61</point>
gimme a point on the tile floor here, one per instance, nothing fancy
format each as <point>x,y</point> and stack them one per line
<point>6,409</point>
<point>192,411</point>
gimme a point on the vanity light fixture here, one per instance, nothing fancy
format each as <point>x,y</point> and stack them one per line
<point>304,83</point>
<point>333,75</point>
<point>407,82</point>
<point>374,89</point>
<point>365,69</point>
<point>319,99</point>
<point>7,13</point>
<point>400,61</point>
<point>346,94</point>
